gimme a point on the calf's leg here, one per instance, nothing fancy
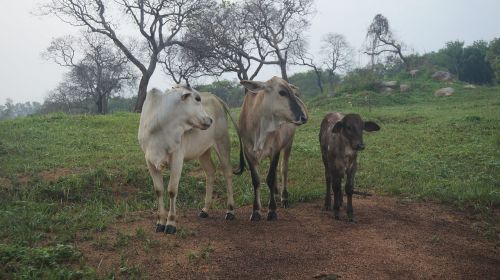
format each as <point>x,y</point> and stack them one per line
<point>271,182</point>
<point>336,180</point>
<point>349,190</point>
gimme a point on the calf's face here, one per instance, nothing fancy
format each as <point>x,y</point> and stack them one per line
<point>280,99</point>
<point>190,107</point>
<point>351,127</point>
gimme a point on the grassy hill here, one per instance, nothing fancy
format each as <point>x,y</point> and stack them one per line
<point>63,177</point>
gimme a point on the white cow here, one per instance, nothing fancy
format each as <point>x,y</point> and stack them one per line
<point>183,124</point>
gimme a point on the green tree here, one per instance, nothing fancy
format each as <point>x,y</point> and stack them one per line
<point>453,56</point>
<point>475,68</point>
<point>493,57</point>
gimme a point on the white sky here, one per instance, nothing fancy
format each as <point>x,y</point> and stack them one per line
<point>424,25</point>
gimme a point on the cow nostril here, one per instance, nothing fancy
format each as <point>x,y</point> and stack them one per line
<point>210,121</point>
<point>360,147</point>
<point>303,119</point>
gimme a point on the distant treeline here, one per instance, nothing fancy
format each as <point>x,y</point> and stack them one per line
<point>478,63</point>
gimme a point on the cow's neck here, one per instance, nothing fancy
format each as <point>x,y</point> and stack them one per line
<point>262,122</point>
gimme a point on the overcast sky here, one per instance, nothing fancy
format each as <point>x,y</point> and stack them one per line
<point>424,25</point>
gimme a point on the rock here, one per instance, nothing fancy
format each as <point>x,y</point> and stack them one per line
<point>469,86</point>
<point>413,73</point>
<point>442,76</point>
<point>448,91</point>
<point>389,84</point>
<point>387,89</point>
<point>404,88</point>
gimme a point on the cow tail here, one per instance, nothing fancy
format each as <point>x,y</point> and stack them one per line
<point>241,168</point>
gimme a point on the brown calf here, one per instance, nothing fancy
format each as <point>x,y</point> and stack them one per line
<point>341,137</point>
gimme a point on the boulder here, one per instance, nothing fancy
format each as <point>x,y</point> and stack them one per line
<point>442,76</point>
<point>390,84</point>
<point>404,88</point>
<point>387,89</point>
<point>413,73</point>
<point>448,91</point>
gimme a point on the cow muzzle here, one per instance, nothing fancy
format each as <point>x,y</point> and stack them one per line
<point>206,123</point>
<point>301,120</point>
<point>359,147</point>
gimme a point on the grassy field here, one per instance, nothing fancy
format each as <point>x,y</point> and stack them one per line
<point>64,177</point>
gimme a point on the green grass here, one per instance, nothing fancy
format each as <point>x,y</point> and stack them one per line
<point>440,149</point>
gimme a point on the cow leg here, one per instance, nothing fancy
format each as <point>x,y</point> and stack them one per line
<point>173,186</point>
<point>349,190</point>
<point>271,182</point>
<point>223,151</point>
<point>208,166</point>
<point>256,192</point>
<point>328,193</point>
<point>284,171</point>
<point>158,187</point>
<point>337,189</point>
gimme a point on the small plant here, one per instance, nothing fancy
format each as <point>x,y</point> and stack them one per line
<point>435,240</point>
<point>192,257</point>
<point>185,233</point>
<point>122,240</point>
<point>206,252</point>
<point>101,243</point>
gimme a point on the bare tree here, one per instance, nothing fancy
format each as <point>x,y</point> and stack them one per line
<point>223,42</point>
<point>279,25</point>
<point>304,58</point>
<point>97,68</point>
<point>380,39</point>
<point>336,54</point>
<point>182,64</point>
<point>159,22</point>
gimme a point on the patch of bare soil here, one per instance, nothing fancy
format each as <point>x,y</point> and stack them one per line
<point>390,239</point>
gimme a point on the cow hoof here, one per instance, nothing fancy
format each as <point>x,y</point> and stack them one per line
<point>255,216</point>
<point>350,218</point>
<point>160,228</point>
<point>337,217</point>
<point>170,229</point>
<point>285,204</point>
<point>327,208</point>
<point>230,216</point>
<point>272,216</point>
<point>203,214</point>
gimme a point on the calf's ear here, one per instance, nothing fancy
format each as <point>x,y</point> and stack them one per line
<point>371,126</point>
<point>253,86</point>
<point>337,127</point>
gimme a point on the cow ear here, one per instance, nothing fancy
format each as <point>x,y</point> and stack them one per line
<point>295,89</point>
<point>185,95</point>
<point>371,126</point>
<point>337,127</point>
<point>253,86</point>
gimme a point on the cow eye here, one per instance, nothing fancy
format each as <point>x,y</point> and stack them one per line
<point>282,92</point>
<point>197,98</point>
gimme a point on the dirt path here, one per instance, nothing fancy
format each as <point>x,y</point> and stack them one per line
<point>390,240</point>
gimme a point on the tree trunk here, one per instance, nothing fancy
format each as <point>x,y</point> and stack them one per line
<point>141,95</point>
<point>283,71</point>
<point>319,82</point>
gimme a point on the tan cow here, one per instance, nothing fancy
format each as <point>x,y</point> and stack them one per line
<point>183,124</point>
<point>268,117</point>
